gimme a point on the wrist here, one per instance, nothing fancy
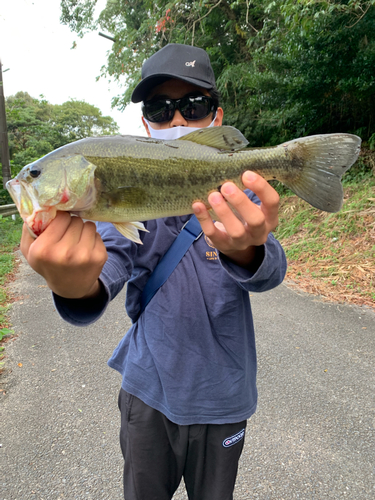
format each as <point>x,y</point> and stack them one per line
<point>94,291</point>
<point>250,258</point>
<point>73,292</point>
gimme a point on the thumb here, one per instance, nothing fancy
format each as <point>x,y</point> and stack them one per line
<point>26,240</point>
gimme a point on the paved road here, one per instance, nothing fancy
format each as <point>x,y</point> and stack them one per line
<point>311,438</point>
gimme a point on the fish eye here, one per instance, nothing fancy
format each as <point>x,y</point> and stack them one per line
<point>35,172</point>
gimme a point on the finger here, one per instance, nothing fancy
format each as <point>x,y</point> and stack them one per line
<point>234,227</point>
<point>89,250</point>
<point>214,231</point>
<point>230,231</point>
<point>56,228</point>
<point>241,203</point>
<point>92,241</point>
<point>249,231</point>
<point>73,232</point>
<point>26,240</point>
<point>100,250</point>
<point>254,227</point>
<point>204,218</point>
<point>88,234</point>
<point>268,196</point>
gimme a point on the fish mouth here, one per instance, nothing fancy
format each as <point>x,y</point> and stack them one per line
<point>21,196</point>
<point>35,217</point>
<point>14,189</point>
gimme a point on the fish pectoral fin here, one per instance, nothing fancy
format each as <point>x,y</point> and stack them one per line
<point>224,138</point>
<point>130,230</point>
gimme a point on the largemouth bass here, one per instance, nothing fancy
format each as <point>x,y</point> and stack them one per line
<point>125,179</point>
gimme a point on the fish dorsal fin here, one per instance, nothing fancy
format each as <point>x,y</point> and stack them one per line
<point>225,138</point>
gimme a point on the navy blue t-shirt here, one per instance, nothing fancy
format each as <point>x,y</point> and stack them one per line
<point>191,354</point>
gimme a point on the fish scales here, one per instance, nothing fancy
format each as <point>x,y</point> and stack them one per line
<point>123,179</point>
<point>156,187</point>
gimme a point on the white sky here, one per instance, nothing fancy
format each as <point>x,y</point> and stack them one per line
<point>37,50</point>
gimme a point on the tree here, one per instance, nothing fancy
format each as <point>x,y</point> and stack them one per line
<point>36,127</point>
<point>315,75</point>
<point>74,120</point>
<point>141,27</point>
<point>284,67</point>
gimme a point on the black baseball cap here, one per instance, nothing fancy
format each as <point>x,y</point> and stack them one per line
<point>184,62</point>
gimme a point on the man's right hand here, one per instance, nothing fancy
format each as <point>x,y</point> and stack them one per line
<point>69,254</point>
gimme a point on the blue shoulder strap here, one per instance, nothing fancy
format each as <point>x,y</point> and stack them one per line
<point>189,233</point>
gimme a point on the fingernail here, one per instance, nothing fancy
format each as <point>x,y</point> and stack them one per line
<point>215,199</point>
<point>197,209</point>
<point>250,176</point>
<point>228,189</point>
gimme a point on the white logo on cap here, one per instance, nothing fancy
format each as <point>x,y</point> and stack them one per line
<point>192,64</point>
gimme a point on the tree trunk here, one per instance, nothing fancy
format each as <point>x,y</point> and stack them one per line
<point>4,147</point>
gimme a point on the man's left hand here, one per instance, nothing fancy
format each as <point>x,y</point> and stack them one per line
<point>238,239</point>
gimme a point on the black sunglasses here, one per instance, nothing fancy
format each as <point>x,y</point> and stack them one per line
<point>191,108</point>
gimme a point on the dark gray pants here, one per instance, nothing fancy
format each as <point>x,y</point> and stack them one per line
<point>158,453</point>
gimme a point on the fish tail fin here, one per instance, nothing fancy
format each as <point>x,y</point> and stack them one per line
<point>130,230</point>
<point>321,161</point>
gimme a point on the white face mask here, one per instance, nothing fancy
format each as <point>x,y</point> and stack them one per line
<point>170,134</point>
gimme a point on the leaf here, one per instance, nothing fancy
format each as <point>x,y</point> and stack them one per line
<point>4,332</point>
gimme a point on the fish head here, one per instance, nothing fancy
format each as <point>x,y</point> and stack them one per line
<point>55,182</point>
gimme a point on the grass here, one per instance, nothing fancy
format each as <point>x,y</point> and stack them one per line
<point>10,235</point>
<point>332,255</point>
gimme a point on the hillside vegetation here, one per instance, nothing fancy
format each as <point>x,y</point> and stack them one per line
<point>333,255</point>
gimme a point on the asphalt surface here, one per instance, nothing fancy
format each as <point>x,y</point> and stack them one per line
<point>311,438</point>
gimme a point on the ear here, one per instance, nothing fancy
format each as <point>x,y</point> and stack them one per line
<point>146,126</point>
<point>219,117</point>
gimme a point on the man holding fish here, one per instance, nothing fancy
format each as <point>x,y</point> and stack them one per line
<point>188,362</point>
